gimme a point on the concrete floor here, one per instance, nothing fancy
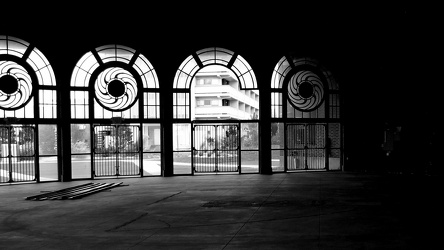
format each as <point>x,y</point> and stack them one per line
<point>317,210</point>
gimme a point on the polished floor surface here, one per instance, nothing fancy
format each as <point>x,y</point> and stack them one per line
<point>316,210</point>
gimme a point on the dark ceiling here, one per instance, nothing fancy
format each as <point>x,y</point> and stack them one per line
<point>378,52</point>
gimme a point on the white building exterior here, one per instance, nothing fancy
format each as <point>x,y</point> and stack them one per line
<point>215,95</point>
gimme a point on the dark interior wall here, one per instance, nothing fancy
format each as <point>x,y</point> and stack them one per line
<point>380,55</point>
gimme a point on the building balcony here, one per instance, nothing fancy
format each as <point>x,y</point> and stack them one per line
<point>224,92</point>
<point>220,112</point>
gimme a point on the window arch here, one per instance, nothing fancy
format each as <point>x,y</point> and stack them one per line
<point>117,81</point>
<point>302,88</point>
<point>27,81</point>
<point>203,58</point>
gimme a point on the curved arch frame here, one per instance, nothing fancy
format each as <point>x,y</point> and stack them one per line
<point>201,59</point>
<point>39,70</point>
<point>214,56</point>
<point>285,69</point>
<point>93,63</point>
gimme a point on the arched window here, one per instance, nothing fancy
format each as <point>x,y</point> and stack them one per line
<point>215,105</point>
<point>115,114</point>
<point>26,81</point>
<point>305,113</point>
<point>118,82</point>
<point>28,114</point>
<point>201,59</point>
<point>302,88</point>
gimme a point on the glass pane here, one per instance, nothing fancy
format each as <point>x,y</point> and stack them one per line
<point>124,54</point>
<point>249,136</point>
<point>334,159</point>
<point>207,57</point>
<point>152,112</point>
<point>81,166</point>
<point>250,162</point>
<point>151,138</point>
<point>79,77</point>
<point>141,66</point>
<point>17,47</point>
<point>48,139</point>
<point>182,163</point>
<point>223,56</point>
<point>181,137</point>
<point>48,101</point>
<point>22,142</point>
<point>181,80</point>
<point>277,135</point>
<point>48,168</point>
<point>190,67</point>
<point>181,98</point>
<point>87,64</point>
<point>80,138</point>
<point>182,112</point>
<point>151,164</point>
<point>150,80</point>
<point>277,160</point>
<point>152,98</point>
<point>36,60</point>
<point>107,53</point>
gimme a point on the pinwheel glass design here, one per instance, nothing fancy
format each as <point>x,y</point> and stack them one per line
<point>305,91</point>
<point>15,86</point>
<point>116,89</point>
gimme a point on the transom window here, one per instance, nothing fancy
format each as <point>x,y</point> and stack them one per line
<point>26,81</point>
<point>301,88</point>
<point>205,58</point>
<point>117,81</point>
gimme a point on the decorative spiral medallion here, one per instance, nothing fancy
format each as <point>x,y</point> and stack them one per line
<point>15,85</point>
<point>305,91</point>
<point>116,89</point>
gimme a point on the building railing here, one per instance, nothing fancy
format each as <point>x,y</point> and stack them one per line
<point>221,112</point>
<point>225,92</point>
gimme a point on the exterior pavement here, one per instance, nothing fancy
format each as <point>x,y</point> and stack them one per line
<point>310,210</point>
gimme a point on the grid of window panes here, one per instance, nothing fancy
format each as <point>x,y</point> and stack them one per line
<point>12,46</point>
<point>114,52</point>
<point>48,150</point>
<point>152,148</point>
<point>102,113</point>
<point>25,112</point>
<point>276,104</point>
<point>280,71</point>
<point>151,105</point>
<point>42,68</point>
<point>294,113</point>
<point>45,86</point>
<point>81,151</point>
<point>334,105</point>
<point>79,104</point>
<point>86,66</point>
<point>214,55</point>
<point>185,73</point>
<point>181,105</point>
<point>83,70</point>
<point>277,147</point>
<point>249,147</point>
<point>182,148</point>
<point>47,103</point>
<point>242,69</point>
